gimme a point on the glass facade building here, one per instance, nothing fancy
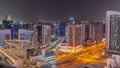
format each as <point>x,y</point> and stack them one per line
<point>113,31</point>
<point>61,29</point>
<point>74,34</point>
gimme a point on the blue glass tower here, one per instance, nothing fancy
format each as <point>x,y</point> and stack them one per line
<point>8,24</point>
<point>61,29</point>
<point>12,30</point>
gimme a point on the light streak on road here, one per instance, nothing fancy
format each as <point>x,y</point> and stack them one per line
<point>91,54</point>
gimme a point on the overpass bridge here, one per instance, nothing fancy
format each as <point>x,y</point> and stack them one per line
<point>10,58</point>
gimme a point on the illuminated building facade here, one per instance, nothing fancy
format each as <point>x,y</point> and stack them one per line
<point>85,31</point>
<point>6,23</point>
<point>38,28</point>
<point>17,25</point>
<point>113,31</point>
<point>54,27</point>
<point>74,34</point>
<point>46,34</point>
<point>61,29</point>
<point>96,31</point>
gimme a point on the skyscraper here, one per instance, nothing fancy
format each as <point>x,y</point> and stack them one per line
<point>74,34</point>
<point>54,30</point>
<point>85,31</point>
<point>61,29</point>
<point>6,24</point>
<point>43,32</point>
<point>46,34</point>
<point>96,32</point>
<point>37,28</point>
<point>113,31</point>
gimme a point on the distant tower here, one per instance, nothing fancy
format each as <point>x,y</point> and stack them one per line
<point>96,31</point>
<point>85,31</point>
<point>113,31</point>
<point>46,34</point>
<point>54,30</point>
<point>39,30</point>
<point>61,29</point>
<point>74,34</point>
<point>8,24</point>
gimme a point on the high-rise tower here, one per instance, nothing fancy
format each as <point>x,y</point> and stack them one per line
<point>113,31</point>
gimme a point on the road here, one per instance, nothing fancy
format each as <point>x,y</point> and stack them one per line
<point>89,55</point>
<point>55,44</point>
<point>5,65</point>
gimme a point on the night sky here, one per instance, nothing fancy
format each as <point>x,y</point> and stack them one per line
<point>34,10</point>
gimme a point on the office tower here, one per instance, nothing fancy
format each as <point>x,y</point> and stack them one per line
<point>17,25</point>
<point>54,29</point>
<point>96,32</point>
<point>113,31</point>
<point>74,34</point>
<point>6,24</point>
<point>61,29</point>
<point>39,30</point>
<point>46,34</point>
<point>85,31</point>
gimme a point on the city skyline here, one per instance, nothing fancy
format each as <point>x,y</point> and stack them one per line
<point>30,10</point>
<point>60,33</point>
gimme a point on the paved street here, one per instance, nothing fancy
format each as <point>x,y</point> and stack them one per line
<point>90,56</point>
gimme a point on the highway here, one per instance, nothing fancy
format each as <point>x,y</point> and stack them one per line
<point>89,55</point>
<point>55,44</point>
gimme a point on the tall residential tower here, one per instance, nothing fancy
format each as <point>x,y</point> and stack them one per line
<point>46,34</point>
<point>113,31</point>
<point>74,34</point>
